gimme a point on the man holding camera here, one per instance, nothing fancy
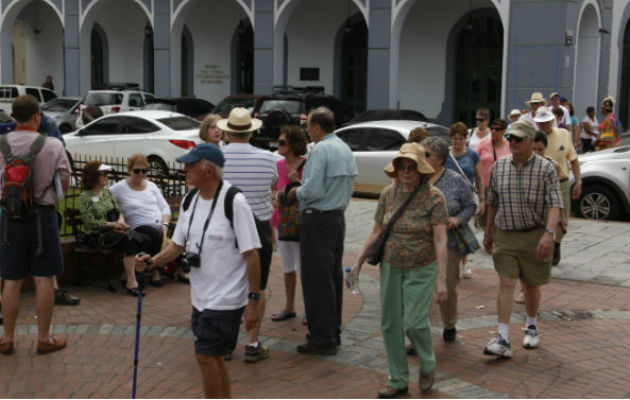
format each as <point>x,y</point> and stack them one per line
<point>224,277</point>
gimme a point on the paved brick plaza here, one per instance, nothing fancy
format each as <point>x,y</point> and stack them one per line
<point>584,345</point>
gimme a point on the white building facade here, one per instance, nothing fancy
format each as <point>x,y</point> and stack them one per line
<point>443,58</point>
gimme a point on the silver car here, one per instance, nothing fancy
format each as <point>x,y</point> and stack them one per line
<point>64,111</point>
<point>605,184</point>
<point>375,143</point>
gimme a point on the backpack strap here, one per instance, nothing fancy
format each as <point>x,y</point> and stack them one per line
<point>228,207</point>
<point>5,148</point>
<point>188,198</point>
<point>36,147</point>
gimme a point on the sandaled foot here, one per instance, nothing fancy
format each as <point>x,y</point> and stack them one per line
<point>134,291</point>
<point>282,315</point>
<point>53,344</point>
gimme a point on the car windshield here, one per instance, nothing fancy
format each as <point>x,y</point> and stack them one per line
<point>103,99</point>
<point>290,106</point>
<point>226,105</point>
<point>160,106</point>
<point>58,105</point>
<point>180,123</point>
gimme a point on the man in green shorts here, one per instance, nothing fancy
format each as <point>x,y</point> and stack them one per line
<point>524,205</point>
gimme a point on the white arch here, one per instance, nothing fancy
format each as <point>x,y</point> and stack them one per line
<point>24,3</point>
<point>286,9</point>
<point>176,13</point>
<point>586,71</point>
<point>84,13</point>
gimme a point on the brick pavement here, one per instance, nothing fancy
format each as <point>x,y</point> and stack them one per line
<point>584,343</point>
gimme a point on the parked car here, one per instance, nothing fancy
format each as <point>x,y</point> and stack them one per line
<point>249,101</point>
<point>191,106</point>
<point>605,184</point>
<point>64,111</point>
<point>386,114</point>
<point>8,93</point>
<point>375,143</point>
<point>160,135</point>
<point>97,103</point>
<point>291,105</point>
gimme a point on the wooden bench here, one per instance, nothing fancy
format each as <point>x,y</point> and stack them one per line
<point>106,266</point>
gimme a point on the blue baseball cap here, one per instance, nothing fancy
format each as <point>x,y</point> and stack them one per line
<point>208,151</point>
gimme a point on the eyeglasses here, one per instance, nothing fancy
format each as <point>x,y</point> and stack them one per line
<point>140,170</point>
<point>514,138</point>
<point>496,129</point>
<point>282,142</point>
<point>480,119</point>
<point>406,168</point>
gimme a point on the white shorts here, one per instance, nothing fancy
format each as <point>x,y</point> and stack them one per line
<point>289,254</point>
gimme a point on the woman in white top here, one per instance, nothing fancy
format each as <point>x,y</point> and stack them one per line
<point>590,130</point>
<point>482,118</point>
<point>209,132</point>
<point>145,209</point>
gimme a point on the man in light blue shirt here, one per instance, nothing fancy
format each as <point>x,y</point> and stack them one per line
<point>324,195</point>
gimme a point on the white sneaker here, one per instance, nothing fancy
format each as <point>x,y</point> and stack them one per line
<point>531,339</point>
<point>498,347</point>
<point>467,272</point>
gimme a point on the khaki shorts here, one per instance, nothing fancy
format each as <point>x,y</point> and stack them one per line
<point>515,256</point>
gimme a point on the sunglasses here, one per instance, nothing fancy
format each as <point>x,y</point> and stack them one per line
<point>406,168</point>
<point>282,142</point>
<point>513,138</point>
<point>480,119</point>
<point>140,171</point>
<point>494,128</point>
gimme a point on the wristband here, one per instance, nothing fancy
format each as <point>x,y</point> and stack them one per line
<point>254,296</point>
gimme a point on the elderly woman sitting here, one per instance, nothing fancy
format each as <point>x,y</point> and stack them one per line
<point>413,266</point>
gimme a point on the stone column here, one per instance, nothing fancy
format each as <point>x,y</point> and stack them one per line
<point>162,48</point>
<point>71,64</point>
<point>263,47</point>
<point>379,42</point>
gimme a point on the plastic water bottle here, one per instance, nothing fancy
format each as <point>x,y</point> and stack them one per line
<point>351,281</point>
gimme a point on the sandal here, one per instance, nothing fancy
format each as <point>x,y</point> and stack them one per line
<point>157,282</point>
<point>282,315</point>
<point>134,291</point>
<point>520,299</point>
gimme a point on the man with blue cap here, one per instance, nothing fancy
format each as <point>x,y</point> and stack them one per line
<point>225,268</point>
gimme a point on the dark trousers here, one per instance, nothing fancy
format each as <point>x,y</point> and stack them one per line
<point>321,252</point>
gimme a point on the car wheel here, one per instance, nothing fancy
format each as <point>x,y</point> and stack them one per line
<point>65,128</point>
<point>157,166</point>
<point>598,202</point>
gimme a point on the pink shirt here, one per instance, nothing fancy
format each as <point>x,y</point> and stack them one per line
<point>283,180</point>
<point>52,158</point>
<point>487,157</point>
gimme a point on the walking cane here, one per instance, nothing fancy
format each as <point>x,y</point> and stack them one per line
<point>135,359</point>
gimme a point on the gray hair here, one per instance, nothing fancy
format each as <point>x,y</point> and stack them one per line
<point>438,146</point>
<point>218,170</point>
<point>323,117</point>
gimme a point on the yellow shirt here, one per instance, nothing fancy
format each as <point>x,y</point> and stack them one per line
<point>560,148</point>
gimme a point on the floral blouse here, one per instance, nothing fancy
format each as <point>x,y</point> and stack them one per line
<point>410,244</point>
<point>94,210</point>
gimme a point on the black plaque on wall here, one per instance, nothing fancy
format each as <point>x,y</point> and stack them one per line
<point>309,74</point>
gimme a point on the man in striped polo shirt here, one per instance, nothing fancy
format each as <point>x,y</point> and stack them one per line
<point>524,205</point>
<point>254,171</point>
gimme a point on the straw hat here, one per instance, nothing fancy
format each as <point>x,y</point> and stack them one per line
<point>239,120</point>
<point>537,97</point>
<point>413,152</point>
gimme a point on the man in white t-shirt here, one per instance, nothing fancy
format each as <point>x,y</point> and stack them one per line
<point>225,268</point>
<point>554,97</point>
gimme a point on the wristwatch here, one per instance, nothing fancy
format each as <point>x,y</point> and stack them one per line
<point>254,296</point>
<point>550,231</point>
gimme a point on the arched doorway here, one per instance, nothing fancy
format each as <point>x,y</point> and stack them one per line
<point>624,94</point>
<point>98,57</point>
<point>243,58</point>
<point>351,69</point>
<point>149,65</point>
<point>187,70</point>
<point>587,61</point>
<point>478,66</point>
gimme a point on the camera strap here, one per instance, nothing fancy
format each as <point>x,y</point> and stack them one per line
<point>207,223</point>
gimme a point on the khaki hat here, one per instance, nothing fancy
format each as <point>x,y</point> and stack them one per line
<point>515,111</point>
<point>239,120</point>
<point>544,114</point>
<point>536,97</point>
<point>522,129</point>
<point>553,94</point>
<point>413,152</point>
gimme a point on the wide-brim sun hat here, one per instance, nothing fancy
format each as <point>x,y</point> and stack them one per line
<point>536,97</point>
<point>239,121</point>
<point>413,152</point>
<point>544,114</point>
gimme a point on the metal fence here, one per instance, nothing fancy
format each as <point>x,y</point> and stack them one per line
<point>170,180</point>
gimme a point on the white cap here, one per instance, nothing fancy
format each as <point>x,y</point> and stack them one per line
<point>515,111</point>
<point>105,167</point>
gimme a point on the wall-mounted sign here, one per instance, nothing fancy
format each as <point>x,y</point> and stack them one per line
<point>212,74</point>
<point>309,74</point>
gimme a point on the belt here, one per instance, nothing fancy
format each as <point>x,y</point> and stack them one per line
<point>523,230</point>
<point>321,212</point>
<point>563,180</point>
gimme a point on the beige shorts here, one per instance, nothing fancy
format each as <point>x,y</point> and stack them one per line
<point>515,256</point>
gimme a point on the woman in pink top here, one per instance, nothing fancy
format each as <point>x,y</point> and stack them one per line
<point>490,149</point>
<point>291,145</point>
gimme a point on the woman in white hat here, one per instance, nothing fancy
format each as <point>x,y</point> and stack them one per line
<point>413,265</point>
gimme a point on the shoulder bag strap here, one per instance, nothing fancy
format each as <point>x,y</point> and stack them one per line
<point>461,171</point>
<point>399,212</point>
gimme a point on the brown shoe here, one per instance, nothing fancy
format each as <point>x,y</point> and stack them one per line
<point>46,347</point>
<point>390,392</point>
<point>426,381</point>
<point>7,348</point>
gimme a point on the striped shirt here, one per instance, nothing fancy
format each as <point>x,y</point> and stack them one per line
<point>254,171</point>
<point>523,195</point>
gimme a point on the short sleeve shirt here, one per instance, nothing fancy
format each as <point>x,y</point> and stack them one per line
<point>410,244</point>
<point>488,155</point>
<point>467,162</point>
<point>560,148</point>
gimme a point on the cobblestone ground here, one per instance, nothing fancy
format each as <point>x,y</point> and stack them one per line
<point>584,339</point>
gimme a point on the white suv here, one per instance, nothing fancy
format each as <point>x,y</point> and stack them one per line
<point>8,93</point>
<point>97,103</point>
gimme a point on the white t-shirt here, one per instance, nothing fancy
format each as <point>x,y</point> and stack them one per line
<point>220,283</point>
<point>594,128</point>
<point>566,117</point>
<point>141,207</point>
<point>473,139</point>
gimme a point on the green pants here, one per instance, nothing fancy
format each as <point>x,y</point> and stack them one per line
<point>405,299</point>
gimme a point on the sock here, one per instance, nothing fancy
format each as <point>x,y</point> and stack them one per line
<point>503,331</point>
<point>532,321</point>
<point>255,344</point>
